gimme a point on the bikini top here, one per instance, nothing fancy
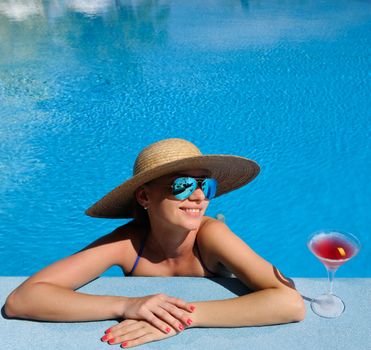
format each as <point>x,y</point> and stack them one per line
<point>141,251</point>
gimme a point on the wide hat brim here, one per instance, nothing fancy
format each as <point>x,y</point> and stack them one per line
<point>231,172</point>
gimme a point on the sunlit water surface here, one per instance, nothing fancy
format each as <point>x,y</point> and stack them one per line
<point>85,85</point>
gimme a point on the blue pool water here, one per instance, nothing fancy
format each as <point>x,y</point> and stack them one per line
<point>84,86</point>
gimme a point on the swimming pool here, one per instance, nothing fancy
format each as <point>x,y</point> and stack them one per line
<point>85,85</point>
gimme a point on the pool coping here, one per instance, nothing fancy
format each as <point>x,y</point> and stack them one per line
<point>351,330</point>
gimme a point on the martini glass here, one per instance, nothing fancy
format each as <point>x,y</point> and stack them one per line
<point>333,249</point>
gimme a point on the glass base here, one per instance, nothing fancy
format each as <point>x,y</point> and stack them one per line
<point>327,305</point>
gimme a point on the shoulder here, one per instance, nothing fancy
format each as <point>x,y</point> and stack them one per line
<point>120,245</point>
<point>77,269</point>
<point>121,235</point>
<point>223,245</point>
<point>216,240</point>
<point>227,249</point>
<point>213,232</point>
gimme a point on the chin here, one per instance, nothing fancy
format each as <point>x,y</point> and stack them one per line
<point>191,224</point>
<point>185,221</point>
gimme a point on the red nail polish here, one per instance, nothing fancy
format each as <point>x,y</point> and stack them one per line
<point>189,322</point>
<point>181,327</point>
<point>192,308</point>
<point>104,338</point>
<point>124,344</point>
<point>167,330</point>
<point>108,330</point>
<point>111,341</point>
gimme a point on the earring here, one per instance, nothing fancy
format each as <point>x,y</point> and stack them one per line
<point>145,208</point>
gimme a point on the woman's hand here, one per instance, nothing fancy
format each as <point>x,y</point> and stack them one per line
<point>131,333</point>
<point>161,311</point>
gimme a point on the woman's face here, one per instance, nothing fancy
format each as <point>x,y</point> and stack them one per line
<point>167,210</point>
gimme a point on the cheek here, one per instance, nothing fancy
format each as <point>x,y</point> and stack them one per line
<point>167,208</point>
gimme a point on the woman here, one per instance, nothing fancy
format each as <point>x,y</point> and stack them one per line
<point>169,236</point>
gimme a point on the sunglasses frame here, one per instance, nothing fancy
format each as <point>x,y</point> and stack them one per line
<point>199,184</point>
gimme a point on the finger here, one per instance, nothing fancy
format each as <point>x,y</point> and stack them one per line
<point>137,330</point>
<point>139,341</point>
<point>165,316</point>
<point>119,325</point>
<point>129,327</point>
<point>176,313</point>
<point>109,329</point>
<point>158,322</point>
<point>181,304</point>
<point>116,330</point>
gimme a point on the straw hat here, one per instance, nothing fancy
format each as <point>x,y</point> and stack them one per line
<point>167,157</point>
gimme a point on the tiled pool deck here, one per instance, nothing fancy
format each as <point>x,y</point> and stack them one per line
<point>350,331</point>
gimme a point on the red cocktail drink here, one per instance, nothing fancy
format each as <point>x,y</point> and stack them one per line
<point>333,249</point>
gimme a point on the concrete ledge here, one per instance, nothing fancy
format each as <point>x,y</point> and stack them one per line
<point>350,331</point>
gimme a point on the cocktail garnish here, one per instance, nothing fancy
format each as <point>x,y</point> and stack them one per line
<point>341,251</point>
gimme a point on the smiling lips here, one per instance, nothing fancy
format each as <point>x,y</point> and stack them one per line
<point>194,212</point>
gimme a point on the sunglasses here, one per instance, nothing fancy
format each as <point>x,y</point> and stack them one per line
<point>183,187</point>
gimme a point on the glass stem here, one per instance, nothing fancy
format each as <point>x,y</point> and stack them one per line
<point>331,275</point>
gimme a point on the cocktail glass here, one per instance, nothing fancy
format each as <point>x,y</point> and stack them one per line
<point>333,249</point>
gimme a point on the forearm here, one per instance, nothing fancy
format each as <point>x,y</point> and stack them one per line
<point>269,306</point>
<point>44,301</point>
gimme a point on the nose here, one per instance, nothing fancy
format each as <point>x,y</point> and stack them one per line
<point>197,195</point>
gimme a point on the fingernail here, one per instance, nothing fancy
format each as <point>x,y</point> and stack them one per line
<point>108,330</point>
<point>193,308</point>
<point>104,338</point>
<point>167,330</point>
<point>181,327</point>
<point>189,322</point>
<point>124,344</point>
<point>111,341</point>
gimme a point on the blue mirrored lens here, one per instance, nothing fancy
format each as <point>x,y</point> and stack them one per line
<point>183,187</point>
<point>209,187</point>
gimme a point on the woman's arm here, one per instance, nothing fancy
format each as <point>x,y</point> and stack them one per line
<point>273,299</point>
<point>50,295</point>
<point>269,306</point>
